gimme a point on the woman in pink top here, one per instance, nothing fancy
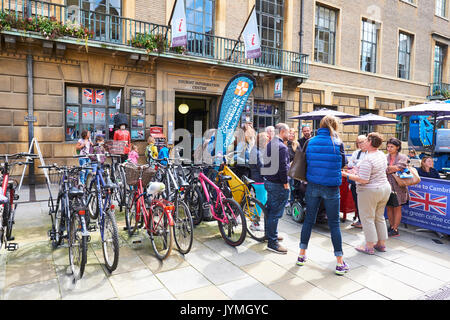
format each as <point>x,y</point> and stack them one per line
<point>133,156</point>
<point>373,190</point>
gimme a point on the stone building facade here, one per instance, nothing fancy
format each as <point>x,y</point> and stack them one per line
<point>111,64</point>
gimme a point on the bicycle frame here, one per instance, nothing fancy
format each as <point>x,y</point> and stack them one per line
<point>140,204</point>
<point>220,196</point>
<point>100,182</point>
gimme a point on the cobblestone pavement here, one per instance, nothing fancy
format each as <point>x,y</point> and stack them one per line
<point>414,267</point>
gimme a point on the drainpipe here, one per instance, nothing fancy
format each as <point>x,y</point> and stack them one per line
<point>30,117</point>
<point>300,101</point>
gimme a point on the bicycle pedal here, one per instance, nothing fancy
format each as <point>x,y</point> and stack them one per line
<point>137,241</point>
<point>88,238</point>
<point>16,197</point>
<point>10,238</point>
<point>12,246</point>
<point>92,228</point>
<point>205,205</point>
<point>51,234</point>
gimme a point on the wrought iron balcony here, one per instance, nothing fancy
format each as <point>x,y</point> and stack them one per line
<point>439,91</point>
<point>146,37</point>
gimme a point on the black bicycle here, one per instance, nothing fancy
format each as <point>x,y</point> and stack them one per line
<point>69,219</point>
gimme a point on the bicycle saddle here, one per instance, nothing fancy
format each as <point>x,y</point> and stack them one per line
<point>110,185</point>
<point>155,187</point>
<point>75,192</point>
<point>247,180</point>
<point>184,184</point>
<point>225,178</point>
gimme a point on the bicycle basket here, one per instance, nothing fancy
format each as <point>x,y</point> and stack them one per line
<point>132,173</point>
<point>116,147</point>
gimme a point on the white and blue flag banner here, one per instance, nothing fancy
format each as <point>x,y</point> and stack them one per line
<point>428,206</point>
<point>231,105</point>
<point>252,42</point>
<point>178,25</point>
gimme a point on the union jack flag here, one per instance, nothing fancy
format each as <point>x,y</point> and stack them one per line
<point>428,202</point>
<point>94,96</point>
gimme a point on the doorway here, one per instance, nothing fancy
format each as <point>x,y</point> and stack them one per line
<point>190,109</point>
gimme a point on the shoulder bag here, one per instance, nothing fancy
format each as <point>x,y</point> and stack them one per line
<point>404,182</point>
<point>297,170</point>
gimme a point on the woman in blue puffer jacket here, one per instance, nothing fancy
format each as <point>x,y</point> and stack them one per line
<point>325,158</point>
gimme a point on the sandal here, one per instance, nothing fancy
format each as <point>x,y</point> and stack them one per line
<point>380,248</point>
<point>365,250</point>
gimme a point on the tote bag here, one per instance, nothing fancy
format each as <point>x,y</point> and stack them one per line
<point>404,182</point>
<point>297,170</point>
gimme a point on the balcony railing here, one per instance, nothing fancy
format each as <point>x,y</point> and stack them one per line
<point>114,29</point>
<point>439,91</point>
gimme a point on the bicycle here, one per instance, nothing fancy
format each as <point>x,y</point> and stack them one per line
<point>193,195</point>
<point>226,211</point>
<point>157,218</point>
<point>69,214</point>
<point>7,205</point>
<point>98,190</point>
<point>176,185</point>
<point>243,192</point>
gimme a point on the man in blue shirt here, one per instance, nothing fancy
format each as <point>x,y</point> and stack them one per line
<point>276,167</point>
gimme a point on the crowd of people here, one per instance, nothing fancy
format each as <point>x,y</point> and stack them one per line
<point>369,171</point>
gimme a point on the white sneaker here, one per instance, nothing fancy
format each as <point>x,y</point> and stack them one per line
<point>256,227</point>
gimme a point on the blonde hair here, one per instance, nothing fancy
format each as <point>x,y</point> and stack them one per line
<point>262,140</point>
<point>331,123</point>
<point>422,163</point>
<point>150,139</point>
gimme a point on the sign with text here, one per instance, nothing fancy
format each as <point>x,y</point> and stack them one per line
<point>428,206</point>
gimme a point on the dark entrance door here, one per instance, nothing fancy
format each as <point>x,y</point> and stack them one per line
<point>192,111</point>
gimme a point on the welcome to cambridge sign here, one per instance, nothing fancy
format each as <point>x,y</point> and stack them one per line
<point>428,206</point>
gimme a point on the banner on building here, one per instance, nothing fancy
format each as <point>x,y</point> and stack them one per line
<point>278,89</point>
<point>118,98</point>
<point>252,42</point>
<point>231,105</point>
<point>428,206</point>
<point>178,25</point>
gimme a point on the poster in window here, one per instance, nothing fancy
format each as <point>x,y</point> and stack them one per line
<point>137,134</point>
<point>137,111</point>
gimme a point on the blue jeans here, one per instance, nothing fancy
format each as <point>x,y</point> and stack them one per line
<point>277,197</point>
<point>84,173</point>
<point>331,197</point>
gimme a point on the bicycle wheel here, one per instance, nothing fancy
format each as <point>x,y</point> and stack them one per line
<point>235,230</point>
<point>119,179</point>
<point>298,212</point>
<point>58,224</point>
<point>183,228</point>
<point>130,214</point>
<point>5,225</point>
<point>255,213</point>
<point>92,197</point>
<point>110,242</point>
<point>77,247</point>
<point>162,234</point>
<point>194,199</point>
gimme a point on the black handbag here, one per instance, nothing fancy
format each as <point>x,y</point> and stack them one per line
<point>393,200</point>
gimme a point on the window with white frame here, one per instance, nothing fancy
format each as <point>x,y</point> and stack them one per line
<point>441,8</point>
<point>325,35</point>
<point>404,55</point>
<point>369,45</point>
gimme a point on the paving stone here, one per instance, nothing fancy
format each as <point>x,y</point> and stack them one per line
<point>182,280</point>
<point>248,289</point>
<point>299,289</point>
<point>161,294</point>
<point>135,282</point>
<point>47,290</point>
<point>205,293</point>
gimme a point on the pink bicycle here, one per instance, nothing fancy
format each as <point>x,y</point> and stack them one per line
<point>227,212</point>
